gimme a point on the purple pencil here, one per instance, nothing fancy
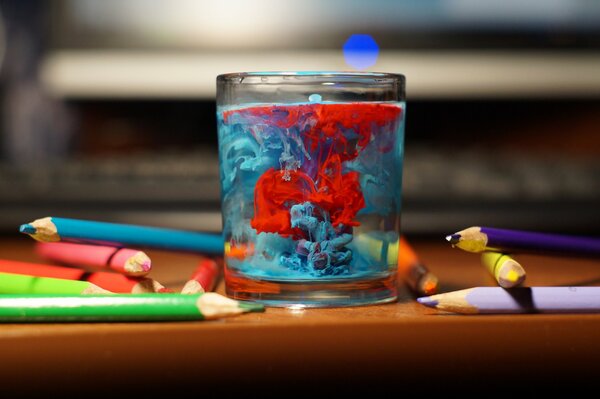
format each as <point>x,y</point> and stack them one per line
<point>479,239</point>
<point>517,300</point>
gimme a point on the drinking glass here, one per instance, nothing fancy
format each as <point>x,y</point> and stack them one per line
<point>311,178</point>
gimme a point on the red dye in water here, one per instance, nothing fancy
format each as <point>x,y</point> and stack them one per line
<point>334,133</point>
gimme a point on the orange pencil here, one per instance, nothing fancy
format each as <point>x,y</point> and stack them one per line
<point>204,277</point>
<point>113,282</point>
<point>420,280</point>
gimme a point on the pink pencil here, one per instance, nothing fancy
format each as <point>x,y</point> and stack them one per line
<point>126,261</point>
<point>203,278</point>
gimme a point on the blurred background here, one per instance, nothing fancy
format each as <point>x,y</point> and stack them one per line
<point>108,107</point>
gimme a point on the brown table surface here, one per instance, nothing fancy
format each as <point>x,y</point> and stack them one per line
<point>396,342</point>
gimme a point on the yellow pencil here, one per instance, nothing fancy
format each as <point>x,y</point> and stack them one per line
<point>507,271</point>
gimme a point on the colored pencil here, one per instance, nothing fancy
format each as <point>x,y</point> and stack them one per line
<point>52,229</point>
<point>392,250</point>
<point>120,307</point>
<point>11,283</point>
<point>123,260</point>
<point>414,273</point>
<point>517,300</point>
<point>204,277</point>
<point>507,271</point>
<point>113,282</point>
<point>479,239</point>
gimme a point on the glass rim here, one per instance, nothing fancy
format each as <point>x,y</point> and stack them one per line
<point>378,77</point>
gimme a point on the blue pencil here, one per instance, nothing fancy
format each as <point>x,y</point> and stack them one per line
<point>52,229</point>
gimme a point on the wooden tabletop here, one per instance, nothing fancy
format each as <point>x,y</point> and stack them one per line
<point>359,347</point>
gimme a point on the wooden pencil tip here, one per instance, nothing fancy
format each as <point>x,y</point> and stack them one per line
<point>192,287</point>
<point>27,229</point>
<point>138,265</point>
<point>512,275</point>
<point>93,289</point>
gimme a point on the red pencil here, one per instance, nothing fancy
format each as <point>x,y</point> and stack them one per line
<point>113,282</point>
<point>204,277</point>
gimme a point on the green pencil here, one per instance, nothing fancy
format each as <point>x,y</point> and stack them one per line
<point>120,307</point>
<point>11,283</point>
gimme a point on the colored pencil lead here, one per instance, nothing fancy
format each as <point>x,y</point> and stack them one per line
<point>427,301</point>
<point>27,229</point>
<point>429,284</point>
<point>453,238</point>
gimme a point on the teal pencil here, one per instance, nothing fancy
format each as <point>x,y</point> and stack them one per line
<point>52,229</point>
<point>120,307</point>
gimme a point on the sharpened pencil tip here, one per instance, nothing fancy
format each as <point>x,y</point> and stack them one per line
<point>427,301</point>
<point>453,238</point>
<point>139,264</point>
<point>251,307</point>
<point>429,284</point>
<point>27,229</point>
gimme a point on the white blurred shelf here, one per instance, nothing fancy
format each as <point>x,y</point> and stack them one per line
<point>449,74</point>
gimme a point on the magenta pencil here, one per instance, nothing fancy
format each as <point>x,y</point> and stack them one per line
<point>123,260</point>
<point>204,277</point>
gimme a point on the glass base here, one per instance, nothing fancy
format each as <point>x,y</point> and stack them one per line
<point>308,293</point>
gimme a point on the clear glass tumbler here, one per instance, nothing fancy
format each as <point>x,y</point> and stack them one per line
<point>311,177</point>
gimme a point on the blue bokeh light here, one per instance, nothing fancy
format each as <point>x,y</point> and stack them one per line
<point>361,51</point>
